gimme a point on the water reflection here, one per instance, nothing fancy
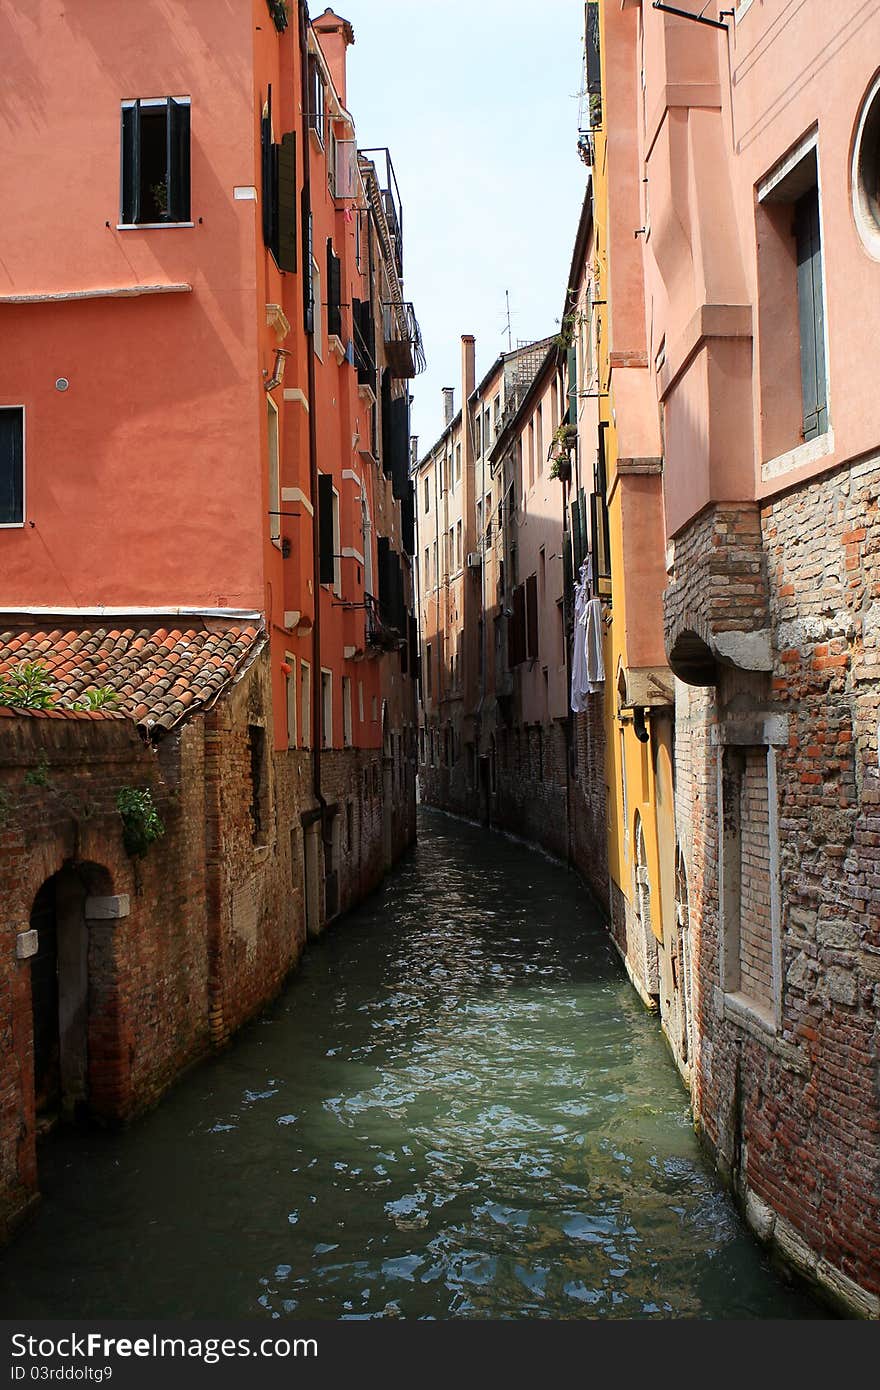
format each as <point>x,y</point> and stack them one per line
<point>458,1109</point>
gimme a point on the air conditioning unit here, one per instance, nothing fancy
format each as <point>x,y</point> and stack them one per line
<point>474,560</point>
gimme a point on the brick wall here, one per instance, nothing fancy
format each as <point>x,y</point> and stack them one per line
<point>539,788</point>
<point>793,1116</point>
<point>217,917</point>
<point>754,909</point>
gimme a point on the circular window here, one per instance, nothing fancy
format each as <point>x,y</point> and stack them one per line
<point>866,171</point>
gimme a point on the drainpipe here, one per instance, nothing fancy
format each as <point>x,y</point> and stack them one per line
<point>316,711</point>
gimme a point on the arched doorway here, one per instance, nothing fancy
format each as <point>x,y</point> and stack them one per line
<point>60,971</point>
<point>642,903</point>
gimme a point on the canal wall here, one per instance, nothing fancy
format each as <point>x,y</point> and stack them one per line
<point>781,830</point>
<point>543,782</point>
<point>119,970</point>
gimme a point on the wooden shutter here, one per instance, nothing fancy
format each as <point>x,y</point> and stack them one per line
<point>532,617</point>
<point>307,279</point>
<point>408,521</point>
<point>177,135</point>
<point>516,634</point>
<point>334,291</point>
<point>131,163</point>
<point>400,445</point>
<point>11,466</point>
<point>267,163</point>
<point>326,561</point>
<point>811,313</point>
<point>572,386</point>
<point>386,423</point>
<point>285,190</point>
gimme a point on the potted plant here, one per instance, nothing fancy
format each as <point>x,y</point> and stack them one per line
<point>561,445</point>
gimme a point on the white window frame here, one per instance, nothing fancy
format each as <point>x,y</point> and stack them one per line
<point>347,735</point>
<point>305,673</point>
<point>292,693</point>
<point>326,708</point>
<point>154,226</point>
<point>273,451</point>
<point>18,525</point>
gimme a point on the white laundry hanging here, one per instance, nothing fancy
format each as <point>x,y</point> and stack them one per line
<point>587,666</point>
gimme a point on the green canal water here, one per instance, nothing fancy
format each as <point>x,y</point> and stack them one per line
<point>457,1109</point>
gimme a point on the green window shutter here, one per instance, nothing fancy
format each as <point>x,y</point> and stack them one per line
<point>811,314</point>
<point>131,163</point>
<point>286,202</point>
<point>308,282</point>
<point>178,160</point>
<point>572,386</point>
<point>326,565</point>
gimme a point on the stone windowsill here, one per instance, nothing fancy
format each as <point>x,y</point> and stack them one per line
<point>758,1021</point>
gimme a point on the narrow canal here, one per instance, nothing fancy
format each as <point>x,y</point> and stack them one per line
<point>459,1108</point>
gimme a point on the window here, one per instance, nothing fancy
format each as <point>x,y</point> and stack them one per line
<point>478,434</point>
<point>278,164</point>
<point>427,494</point>
<point>12,466</point>
<point>361,701</point>
<point>539,440</point>
<point>334,292</point>
<point>427,568</point>
<point>326,709</point>
<point>155,161</point>
<point>532,617</point>
<point>317,316</point>
<point>866,172</point>
<point>791,311</point>
<point>291,700</point>
<point>436,569</point>
<point>316,98</point>
<point>496,416</point>
<point>274,475</point>
<point>306,703</point>
<point>531,452</point>
<point>458,554</point>
<point>458,463</point>
<point>259,784</point>
<point>429,671</point>
<point>346,712</point>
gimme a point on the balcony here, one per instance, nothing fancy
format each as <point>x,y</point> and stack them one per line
<point>389,195</point>
<point>404,353</point>
<point>381,636</point>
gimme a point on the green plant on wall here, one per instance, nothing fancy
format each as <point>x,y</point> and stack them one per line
<point>141,823</point>
<point>96,698</point>
<point>27,686</point>
<point>38,775</point>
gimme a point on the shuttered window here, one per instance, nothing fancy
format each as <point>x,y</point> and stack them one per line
<point>11,466</point>
<point>326,528</point>
<point>532,617</point>
<point>308,268</point>
<point>334,292</point>
<point>811,314</point>
<point>285,250</point>
<point>516,632</point>
<point>155,161</point>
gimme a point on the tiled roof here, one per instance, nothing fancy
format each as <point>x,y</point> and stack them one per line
<point>161,675</point>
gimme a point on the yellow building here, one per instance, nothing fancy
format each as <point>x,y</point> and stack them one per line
<point>627,541</point>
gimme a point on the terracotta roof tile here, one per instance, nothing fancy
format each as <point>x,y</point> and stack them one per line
<point>160,676</point>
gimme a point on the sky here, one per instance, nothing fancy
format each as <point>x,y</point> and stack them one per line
<point>478,103</point>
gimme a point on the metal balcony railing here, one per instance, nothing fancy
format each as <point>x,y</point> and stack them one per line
<point>381,635</point>
<point>403,339</point>
<point>391,202</point>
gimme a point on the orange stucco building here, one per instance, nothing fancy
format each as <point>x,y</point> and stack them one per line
<point>206,532</point>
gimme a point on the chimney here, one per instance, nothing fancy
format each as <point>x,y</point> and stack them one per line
<point>334,34</point>
<point>448,409</point>
<point>468,371</point>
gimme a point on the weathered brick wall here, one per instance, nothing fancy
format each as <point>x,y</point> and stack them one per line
<point>719,582</point>
<point>754,938</point>
<point>147,972</point>
<point>794,1117</point>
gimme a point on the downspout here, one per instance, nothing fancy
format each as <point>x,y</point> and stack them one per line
<point>316,711</point>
